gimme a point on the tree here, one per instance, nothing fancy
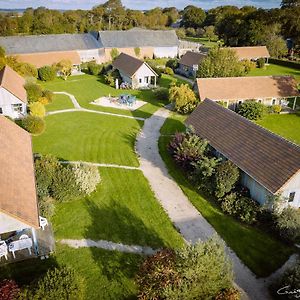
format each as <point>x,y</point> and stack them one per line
<point>193,16</point>
<point>37,109</point>
<point>209,32</point>
<point>183,97</point>
<point>251,110</point>
<point>290,3</point>
<point>276,46</point>
<point>226,176</point>
<point>220,62</point>
<point>137,51</point>
<point>34,92</point>
<point>198,271</point>
<point>65,68</point>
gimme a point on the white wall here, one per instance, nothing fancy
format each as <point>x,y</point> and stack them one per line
<point>6,101</point>
<point>140,75</point>
<point>8,224</point>
<point>94,54</point>
<point>166,51</point>
<point>293,186</point>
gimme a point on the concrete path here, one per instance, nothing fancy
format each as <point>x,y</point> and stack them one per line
<point>108,245</point>
<point>77,107</point>
<point>100,165</point>
<point>186,218</point>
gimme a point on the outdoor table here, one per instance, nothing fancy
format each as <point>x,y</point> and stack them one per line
<point>21,244</point>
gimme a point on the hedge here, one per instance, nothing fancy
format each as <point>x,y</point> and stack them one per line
<point>285,63</point>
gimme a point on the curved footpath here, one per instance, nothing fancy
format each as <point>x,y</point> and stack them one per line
<point>186,218</point>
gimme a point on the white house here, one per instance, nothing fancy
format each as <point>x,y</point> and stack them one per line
<point>269,164</point>
<point>21,234</point>
<point>13,97</point>
<point>135,72</point>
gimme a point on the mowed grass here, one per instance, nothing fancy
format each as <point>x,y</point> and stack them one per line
<point>87,88</point>
<point>89,137</point>
<point>106,274</point>
<point>59,102</point>
<point>204,41</point>
<point>285,125</point>
<point>123,209</point>
<point>273,69</point>
<point>252,245</point>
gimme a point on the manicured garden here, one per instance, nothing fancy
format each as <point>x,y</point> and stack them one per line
<point>59,102</point>
<point>286,125</point>
<point>251,244</point>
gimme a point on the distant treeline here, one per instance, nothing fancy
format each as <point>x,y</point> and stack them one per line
<point>236,26</point>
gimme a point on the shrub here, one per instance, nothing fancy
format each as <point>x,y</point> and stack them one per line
<point>198,271</point>
<point>43,100</point>
<point>94,69</point>
<point>37,109</point>
<point>46,207</point>
<point>137,51</point>
<point>47,73</point>
<point>226,176</point>
<point>183,97</point>
<point>46,167</point>
<point>48,94</point>
<point>64,186</point>
<point>26,70</point>
<point>276,108</point>
<point>33,124</point>
<point>87,177</point>
<point>9,290</point>
<point>248,65</point>
<point>114,53</point>
<point>229,294</point>
<point>261,63</point>
<point>168,71</point>
<point>34,92</point>
<point>289,282</point>
<point>172,63</point>
<point>62,283</point>
<point>161,93</point>
<point>109,79</point>
<point>288,224</point>
<point>187,148</point>
<point>251,110</point>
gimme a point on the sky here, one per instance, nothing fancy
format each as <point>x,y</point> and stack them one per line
<point>135,4</point>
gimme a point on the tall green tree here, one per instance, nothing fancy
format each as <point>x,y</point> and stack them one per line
<point>193,16</point>
<point>290,3</point>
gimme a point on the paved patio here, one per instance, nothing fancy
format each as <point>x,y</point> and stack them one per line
<point>106,102</point>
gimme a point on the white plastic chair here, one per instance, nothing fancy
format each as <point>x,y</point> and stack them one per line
<point>3,249</point>
<point>43,222</point>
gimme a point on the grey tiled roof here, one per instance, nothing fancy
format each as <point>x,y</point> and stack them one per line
<point>48,43</point>
<point>138,38</point>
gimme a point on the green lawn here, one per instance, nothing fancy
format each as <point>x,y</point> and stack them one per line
<point>106,274</point>
<point>275,70</point>
<point>87,88</point>
<point>252,245</point>
<point>123,209</point>
<point>89,137</point>
<point>288,126</point>
<point>60,102</point>
<point>204,41</point>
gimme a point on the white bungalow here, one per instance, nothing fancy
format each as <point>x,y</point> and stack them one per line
<point>13,97</point>
<point>135,72</point>
<point>23,233</point>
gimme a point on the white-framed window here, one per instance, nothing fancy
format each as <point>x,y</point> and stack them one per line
<point>292,196</point>
<point>147,79</point>
<point>17,107</point>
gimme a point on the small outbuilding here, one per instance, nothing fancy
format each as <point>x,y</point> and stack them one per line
<point>189,63</point>
<point>135,72</point>
<point>269,164</point>
<point>13,96</point>
<point>251,53</point>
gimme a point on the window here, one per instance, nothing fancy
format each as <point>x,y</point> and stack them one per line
<point>17,107</point>
<point>292,197</point>
<point>240,102</point>
<point>273,101</point>
<point>1,111</point>
<point>259,101</point>
<point>140,80</point>
<point>147,79</point>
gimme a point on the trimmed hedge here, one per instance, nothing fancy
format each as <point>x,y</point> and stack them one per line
<point>285,63</point>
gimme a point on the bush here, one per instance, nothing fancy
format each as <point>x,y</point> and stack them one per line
<point>161,93</point>
<point>172,63</point>
<point>187,148</point>
<point>87,177</point>
<point>9,290</point>
<point>33,124</point>
<point>226,176</point>
<point>49,95</point>
<point>168,71</point>
<point>251,110</point>
<point>34,92</point>
<point>62,283</point>
<point>183,97</point>
<point>64,186</point>
<point>47,73</point>
<point>276,108</point>
<point>109,79</point>
<point>243,208</point>
<point>229,294</point>
<point>26,70</point>
<point>261,63</point>
<point>43,100</point>
<point>137,51</point>
<point>288,224</point>
<point>46,207</point>
<point>94,69</point>
<point>198,271</point>
<point>114,53</point>
<point>37,109</point>
<point>248,65</point>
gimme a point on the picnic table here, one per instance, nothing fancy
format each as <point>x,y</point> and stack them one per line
<point>24,242</point>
